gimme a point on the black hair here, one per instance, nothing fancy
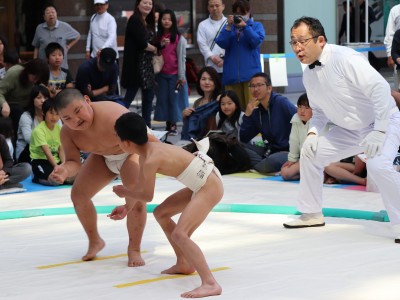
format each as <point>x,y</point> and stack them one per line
<point>11,57</point>
<point>214,77</point>
<point>236,115</point>
<point>314,26</point>
<point>47,5</point>
<point>6,127</point>
<point>37,67</point>
<point>51,47</point>
<point>131,127</point>
<point>48,105</point>
<point>242,5</point>
<point>4,41</point>
<point>36,89</point>
<point>174,27</point>
<point>263,75</point>
<point>65,97</point>
<point>303,100</point>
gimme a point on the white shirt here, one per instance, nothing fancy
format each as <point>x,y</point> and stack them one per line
<point>393,24</point>
<point>102,33</point>
<point>206,34</point>
<point>347,91</point>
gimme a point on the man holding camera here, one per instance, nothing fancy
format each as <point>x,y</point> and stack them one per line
<point>241,38</point>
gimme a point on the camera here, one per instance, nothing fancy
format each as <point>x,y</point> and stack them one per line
<point>237,19</point>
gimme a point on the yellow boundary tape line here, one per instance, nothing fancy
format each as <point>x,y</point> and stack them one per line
<point>167,277</point>
<point>81,261</point>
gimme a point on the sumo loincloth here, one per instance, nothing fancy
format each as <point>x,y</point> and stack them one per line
<point>115,162</point>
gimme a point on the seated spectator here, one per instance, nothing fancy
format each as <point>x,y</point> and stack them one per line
<point>11,175</point>
<point>11,58</point>
<point>45,146</point>
<point>267,113</point>
<point>351,170</point>
<point>6,130</point>
<point>98,77</point>
<point>59,78</point>
<point>29,120</point>
<point>300,121</point>
<point>229,116</point>
<point>340,172</point>
<point>197,122</point>
<point>3,51</point>
<point>16,86</point>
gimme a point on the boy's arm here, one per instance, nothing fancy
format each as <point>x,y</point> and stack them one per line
<point>72,162</point>
<point>61,154</point>
<point>49,156</point>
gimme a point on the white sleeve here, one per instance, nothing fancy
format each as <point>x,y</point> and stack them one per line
<point>202,42</point>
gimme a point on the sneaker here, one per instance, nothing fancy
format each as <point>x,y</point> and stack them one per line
<point>306,220</point>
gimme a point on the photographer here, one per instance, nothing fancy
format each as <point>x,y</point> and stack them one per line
<point>241,38</point>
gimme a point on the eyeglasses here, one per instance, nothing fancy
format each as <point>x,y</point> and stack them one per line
<point>302,43</point>
<point>303,107</point>
<point>258,85</point>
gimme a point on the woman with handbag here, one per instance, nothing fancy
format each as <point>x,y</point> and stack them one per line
<point>137,68</point>
<point>172,91</point>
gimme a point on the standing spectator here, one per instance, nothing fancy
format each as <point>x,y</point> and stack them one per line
<point>371,19</point>
<point>241,38</point>
<point>393,24</point>
<point>53,30</point>
<point>16,87</point>
<point>29,120</point>
<point>59,78</point>
<point>363,117</point>
<point>207,33</point>
<point>343,25</point>
<point>45,146</point>
<point>3,51</point>
<point>102,30</point>
<point>267,113</point>
<point>98,77</point>
<point>11,175</point>
<point>171,81</point>
<point>137,68</point>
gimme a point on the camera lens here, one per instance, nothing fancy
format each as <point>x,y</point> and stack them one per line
<point>237,19</point>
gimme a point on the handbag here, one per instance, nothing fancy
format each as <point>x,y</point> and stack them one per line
<point>158,63</point>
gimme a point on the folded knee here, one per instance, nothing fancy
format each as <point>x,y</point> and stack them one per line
<point>179,236</point>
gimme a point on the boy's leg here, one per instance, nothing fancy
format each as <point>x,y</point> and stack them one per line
<point>92,177</point>
<point>136,219</point>
<point>192,216</point>
<point>163,213</point>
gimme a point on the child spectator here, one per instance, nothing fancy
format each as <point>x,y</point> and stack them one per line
<point>29,120</point>
<point>45,146</point>
<point>300,121</point>
<point>59,78</point>
<point>172,88</point>
<point>229,116</point>
<point>343,171</point>
<point>11,175</point>
<point>203,190</point>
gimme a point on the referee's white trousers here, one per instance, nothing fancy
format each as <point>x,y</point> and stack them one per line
<point>340,143</point>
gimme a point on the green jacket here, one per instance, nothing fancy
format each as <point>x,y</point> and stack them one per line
<point>11,90</point>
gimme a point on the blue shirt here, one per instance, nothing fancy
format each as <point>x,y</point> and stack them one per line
<point>274,123</point>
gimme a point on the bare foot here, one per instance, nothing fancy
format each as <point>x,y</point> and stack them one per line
<point>204,291</point>
<point>94,248</point>
<point>179,269</point>
<point>135,259</point>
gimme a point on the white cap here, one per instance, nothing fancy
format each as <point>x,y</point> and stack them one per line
<point>100,1</point>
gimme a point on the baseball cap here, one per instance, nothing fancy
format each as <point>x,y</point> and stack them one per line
<point>100,1</point>
<point>107,58</point>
